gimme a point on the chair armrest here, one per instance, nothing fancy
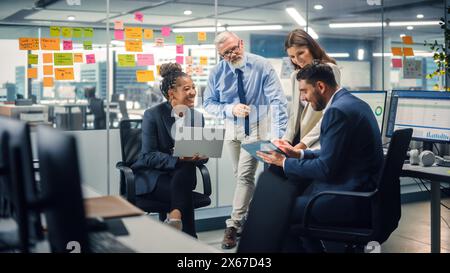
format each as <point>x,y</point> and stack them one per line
<point>309,206</point>
<point>206,179</point>
<point>129,181</point>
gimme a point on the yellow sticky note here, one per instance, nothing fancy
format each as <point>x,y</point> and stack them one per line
<point>158,72</point>
<point>133,33</point>
<point>145,76</point>
<point>48,82</point>
<point>64,73</point>
<point>126,60</point>
<point>203,60</point>
<point>47,57</point>
<point>132,45</point>
<point>397,51</point>
<point>55,31</point>
<point>201,36</point>
<point>408,51</point>
<point>48,70</point>
<point>77,57</point>
<point>77,32</point>
<point>88,32</point>
<point>32,73</point>
<point>32,59</point>
<point>28,43</point>
<point>50,43</point>
<point>179,40</point>
<point>148,34</point>
<point>407,40</point>
<point>66,32</point>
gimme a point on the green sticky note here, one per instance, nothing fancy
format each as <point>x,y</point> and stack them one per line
<point>126,60</point>
<point>55,31</point>
<point>66,32</point>
<point>63,58</point>
<point>77,32</point>
<point>88,32</point>
<point>180,40</point>
<point>87,45</point>
<point>32,59</point>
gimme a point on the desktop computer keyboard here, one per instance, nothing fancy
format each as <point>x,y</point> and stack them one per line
<point>105,242</point>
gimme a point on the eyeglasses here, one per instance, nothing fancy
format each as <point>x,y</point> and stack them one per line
<point>230,51</point>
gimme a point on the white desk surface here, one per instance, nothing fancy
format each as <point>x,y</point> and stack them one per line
<point>442,172</point>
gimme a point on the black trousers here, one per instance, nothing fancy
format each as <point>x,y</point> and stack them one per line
<point>176,188</point>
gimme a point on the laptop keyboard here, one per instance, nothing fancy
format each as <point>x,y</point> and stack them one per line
<point>105,242</point>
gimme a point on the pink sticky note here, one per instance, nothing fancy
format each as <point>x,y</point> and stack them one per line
<point>90,58</point>
<point>396,63</point>
<point>165,31</point>
<point>180,59</point>
<point>145,59</point>
<point>180,49</point>
<point>118,24</point>
<point>118,34</point>
<point>189,60</point>
<point>138,16</point>
<point>67,45</point>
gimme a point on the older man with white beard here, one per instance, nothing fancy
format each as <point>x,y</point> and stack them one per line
<point>243,89</point>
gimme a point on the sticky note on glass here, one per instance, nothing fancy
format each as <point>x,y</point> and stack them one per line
<point>118,34</point>
<point>145,76</point>
<point>66,32</point>
<point>189,70</point>
<point>48,70</point>
<point>64,73</point>
<point>28,43</point>
<point>179,40</point>
<point>201,36</point>
<point>407,40</point>
<point>90,58</point>
<point>203,60</point>
<point>199,70</point>
<point>88,32</point>
<point>32,73</point>
<point>55,31</point>
<point>87,45</point>
<point>118,24</point>
<point>133,45</point>
<point>148,34</point>
<point>397,51</point>
<point>63,59</point>
<point>32,59</point>
<point>158,70</point>
<point>180,49</point>
<point>133,33</point>
<point>126,60</point>
<point>77,57</point>
<point>67,45</point>
<point>47,57</point>
<point>189,60</point>
<point>408,51</point>
<point>50,44</point>
<point>179,59</point>
<point>165,31</point>
<point>396,63</point>
<point>145,59</point>
<point>138,16</point>
<point>77,32</point>
<point>159,42</point>
<point>48,82</point>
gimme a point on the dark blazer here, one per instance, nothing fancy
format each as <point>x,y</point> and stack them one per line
<point>156,157</point>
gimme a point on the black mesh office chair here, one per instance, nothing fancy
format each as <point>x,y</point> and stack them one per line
<point>130,139</point>
<point>384,203</point>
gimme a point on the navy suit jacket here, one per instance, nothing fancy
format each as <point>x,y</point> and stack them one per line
<point>156,157</point>
<point>351,154</point>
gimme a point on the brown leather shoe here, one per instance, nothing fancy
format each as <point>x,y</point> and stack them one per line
<point>229,238</point>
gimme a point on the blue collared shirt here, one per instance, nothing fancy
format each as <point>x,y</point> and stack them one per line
<point>262,88</point>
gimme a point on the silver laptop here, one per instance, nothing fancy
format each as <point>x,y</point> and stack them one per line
<point>206,142</point>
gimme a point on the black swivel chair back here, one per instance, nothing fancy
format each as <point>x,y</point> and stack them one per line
<point>97,109</point>
<point>131,141</point>
<point>123,109</point>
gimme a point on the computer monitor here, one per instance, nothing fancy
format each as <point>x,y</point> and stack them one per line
<point>426,112</point>
<point>377,102</point>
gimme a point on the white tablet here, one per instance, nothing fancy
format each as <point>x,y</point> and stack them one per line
<point>206,142</point>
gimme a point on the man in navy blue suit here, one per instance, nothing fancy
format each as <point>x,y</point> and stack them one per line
<point>350,158</point>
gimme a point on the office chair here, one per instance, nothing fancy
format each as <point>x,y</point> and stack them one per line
<point>123,109</point>
<point>97,109</point>
<point>130,139</point>
<point>269,215</point>
<point>384,203</point>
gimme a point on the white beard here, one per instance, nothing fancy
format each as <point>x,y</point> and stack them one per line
<point>237,64</point>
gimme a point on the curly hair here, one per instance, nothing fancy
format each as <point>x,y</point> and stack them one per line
<point>170,73</point>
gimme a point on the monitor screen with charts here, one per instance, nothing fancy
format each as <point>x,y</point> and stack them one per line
<point>426,112</point>
<point>377,102</point>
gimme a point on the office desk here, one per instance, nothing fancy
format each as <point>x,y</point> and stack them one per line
<point>436,175</point>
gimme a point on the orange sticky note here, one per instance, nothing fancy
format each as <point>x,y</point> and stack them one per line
<point>77,57</point>
<point>48,57</point>
<point>201,36</point>
<point>64,73</point>
<point>50,43</point>
<point>407,40</point>
<point>133,33</point>
<point>148,34</point>
<point>397,51</point>
<point>408,51</point>
<point>48,70</point>
<point>28,43</point>
<point>48,82</point>
<point>145,76</point>
<point>203,60</point>
<point>32,73</point>
<point>158,67</point>
<point>132,45</point>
